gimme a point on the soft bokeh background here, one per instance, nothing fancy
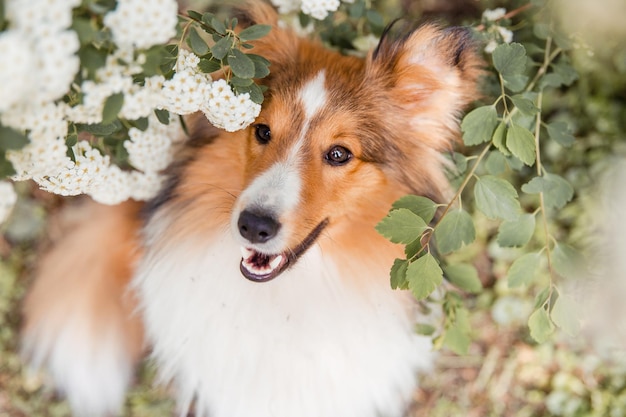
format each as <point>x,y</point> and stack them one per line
<point>505,372</point>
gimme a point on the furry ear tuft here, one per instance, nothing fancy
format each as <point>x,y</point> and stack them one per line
<point>432,74</point>
<point>256,12</point>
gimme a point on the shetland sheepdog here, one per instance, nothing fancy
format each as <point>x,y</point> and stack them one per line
<point>256,280</point>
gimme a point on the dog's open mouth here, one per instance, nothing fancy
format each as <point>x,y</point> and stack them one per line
<point>261,267</point>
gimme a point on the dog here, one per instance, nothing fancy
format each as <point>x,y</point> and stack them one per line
<point>256,280</point>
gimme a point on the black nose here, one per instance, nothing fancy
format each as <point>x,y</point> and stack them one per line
<point>257,228</point>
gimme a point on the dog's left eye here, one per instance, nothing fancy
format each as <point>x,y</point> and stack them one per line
<point>263,134</point>
<point>338,155</point>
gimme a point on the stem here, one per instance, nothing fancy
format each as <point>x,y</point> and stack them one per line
<point>182,37</point>
<point>429,233</point>
<point>503,95</point>
<point>467,179</point>
<point>548,58</point>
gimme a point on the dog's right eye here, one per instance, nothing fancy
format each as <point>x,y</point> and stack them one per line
<point>262,133</point>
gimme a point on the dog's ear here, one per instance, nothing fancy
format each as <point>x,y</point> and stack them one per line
<point>431,75</point>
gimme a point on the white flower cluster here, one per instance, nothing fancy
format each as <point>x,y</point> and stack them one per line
<point>495,14</point>
<point>38,52</point>
<point>141,24</point>
<point>150,151</point>
<point>117,77</point>
<point>7,200</point>
<point>187,91</point>
<point>229,111</point>
<point>39,58</point>
<point>318,9</point>
<point>496,33</point>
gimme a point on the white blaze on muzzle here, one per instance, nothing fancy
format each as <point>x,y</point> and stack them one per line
<point>271,197</point>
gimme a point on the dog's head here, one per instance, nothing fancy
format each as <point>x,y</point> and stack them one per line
<point>338,139</point>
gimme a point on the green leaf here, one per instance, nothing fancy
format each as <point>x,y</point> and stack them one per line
<point>197,44</point>
<point>518,232</point>
<point>261,66</point>
<point>479,124</point>
<point>495,164</point>
<point>422,206</point>
<point>521,143</point>
<point>523,270</point>
<point>141,123</point>
<point>221,48</point>
<point>256,93</point>
<point>565,315</point>
<point>515,82</point>
<point>455,229</point>
<point>414,249</point>
<point>398,274</point>
<point>464,276</point>
<point>100,129</point>
<point>91,59</point>
<point>240,64</point>
<point>169,59</point>
<point>560,133</point>
<point>254,32</point>
<point>357,9</point>
<point>525,105</point>
<point>460,161</point>
<point>542,297</point>
<point>425,329</point>
<point>557,192</point>
<point>566,260</point>
<point>218,26</point>
<point>509,59</point>
<point>551,80</point>
<point>194,15</point>
<point>241,82</point>
<point>401,226</point>
<point>6,168</point>
<point>424,276</point>
<point>84,29</point>
<point>499,139</point>
<point>542,31</point>
<point>496,198</point>
<point>540,325</point>
<point>163,116</point>
<point>209,65</point>
<point>112,106</point>
<point>566,71</point>
<point>374,18</point>
<point>207,19</point>
<point>456,340</point>
<point>11,139</point>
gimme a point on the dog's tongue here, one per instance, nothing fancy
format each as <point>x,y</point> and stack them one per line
<point>258,266</point>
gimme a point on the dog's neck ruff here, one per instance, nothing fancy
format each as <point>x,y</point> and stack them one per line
<point>307,344</point>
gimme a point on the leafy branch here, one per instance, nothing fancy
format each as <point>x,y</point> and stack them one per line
<point>226,52</point>
<point>511,127</point>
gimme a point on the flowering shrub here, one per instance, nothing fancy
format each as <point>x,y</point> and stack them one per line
<point>97,89</point>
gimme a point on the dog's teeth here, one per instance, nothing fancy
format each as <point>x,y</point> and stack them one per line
<point>276,261</point>
<point>246,253</point>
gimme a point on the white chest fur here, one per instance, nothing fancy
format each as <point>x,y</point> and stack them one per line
<point>303,345</point>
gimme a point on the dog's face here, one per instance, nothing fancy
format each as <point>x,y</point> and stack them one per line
<point>340,138</point>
